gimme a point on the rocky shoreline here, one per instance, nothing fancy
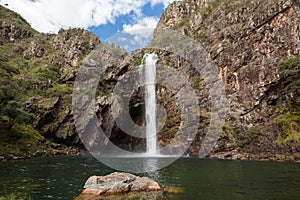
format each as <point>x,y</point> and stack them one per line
<point>234,155</point>
<point>65,151</point>
<point>73,151</point>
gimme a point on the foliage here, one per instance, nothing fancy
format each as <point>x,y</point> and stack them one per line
<point>8,87</point>
<point>16,115</point>
<point>203,37</point>
<point>289,108</point>
<point>60,90</point>
<point>289,71</point>
<point>19,140</point>
<point>27,74</point>
<point>138,61</point>
<point>196,81</point>
<point>290,127</point>
<point>181,23</point>
<point>253,132</point>
<point>8,91</point>
<point>228,132</point>
<point>39,79</point>
<point>16,196</point>
<point>206,11</point>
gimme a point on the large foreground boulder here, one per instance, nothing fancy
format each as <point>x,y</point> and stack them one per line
<point>117,183</point>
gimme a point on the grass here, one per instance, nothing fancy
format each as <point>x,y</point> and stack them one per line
<point>196,81</point>
<point>206,11</point>
<point>228,131</point>
<point>181,23</point>
<point>22,140</point>
<point>16,196</point>
<point>138,61</point>
<point>253,132</point>
<point>290,126</point>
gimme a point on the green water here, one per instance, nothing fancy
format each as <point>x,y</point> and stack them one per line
<point>64,177</point>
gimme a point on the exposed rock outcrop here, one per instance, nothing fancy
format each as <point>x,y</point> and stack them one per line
<point>13,27</point>
<point>247,41</point>
<point>117,183</point>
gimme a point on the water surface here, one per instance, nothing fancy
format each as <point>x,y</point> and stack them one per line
<point>64,177</point>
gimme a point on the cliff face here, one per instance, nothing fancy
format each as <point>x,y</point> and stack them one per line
<point>255,45</point>
<point>247,40</point>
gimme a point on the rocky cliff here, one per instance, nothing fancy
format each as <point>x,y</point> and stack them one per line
<point>255,45</point>
<point>247,40</point>
<point>45,66</point>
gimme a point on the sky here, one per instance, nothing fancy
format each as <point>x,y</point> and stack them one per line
<point>130,23</point>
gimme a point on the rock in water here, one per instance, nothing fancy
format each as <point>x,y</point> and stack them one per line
<point>117,183</point>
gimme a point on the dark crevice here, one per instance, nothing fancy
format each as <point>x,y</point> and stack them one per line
<point>270,19</point>
<point>272,87</point>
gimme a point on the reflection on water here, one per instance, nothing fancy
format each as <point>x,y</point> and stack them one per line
<point>64,177</point>
<point>150,165</point>
<point>139,163</point>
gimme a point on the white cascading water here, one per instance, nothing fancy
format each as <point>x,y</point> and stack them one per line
<point>149,66</point>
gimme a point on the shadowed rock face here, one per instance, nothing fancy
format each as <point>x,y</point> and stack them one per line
<point>247,40</point>
<point>118,183</point>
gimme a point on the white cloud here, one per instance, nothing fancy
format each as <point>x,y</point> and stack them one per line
<point>139,34</point>
<point>141,25</point>
<point>164,2</point>
<point>52,15</point>
<point>135,39</point>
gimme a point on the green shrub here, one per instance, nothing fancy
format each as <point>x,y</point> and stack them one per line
<point>253,132</point>
<point>289,105</point>
<point>206,11</point>
<point>289,71</point>
<point>16,196</point>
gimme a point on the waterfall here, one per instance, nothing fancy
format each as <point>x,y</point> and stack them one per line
<point>149,69</point>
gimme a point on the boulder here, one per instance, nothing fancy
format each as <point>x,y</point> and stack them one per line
<point>117,183</point>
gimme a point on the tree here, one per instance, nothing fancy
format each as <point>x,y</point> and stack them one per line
<point>8,86</point>
<point>289,71</point>
<point>289,118</point>
<point>41,78</point>
<point>16,115</point>
<point>8,91</point>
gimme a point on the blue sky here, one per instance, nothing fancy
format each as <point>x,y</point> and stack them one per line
<point>106,31</point>
<point>127,22</point>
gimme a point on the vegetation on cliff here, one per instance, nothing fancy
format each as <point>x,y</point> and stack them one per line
<point>255,45</point>
<point>288,120</point>
<point>36,72</point>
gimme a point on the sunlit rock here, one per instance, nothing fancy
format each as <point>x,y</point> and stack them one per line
<point>117,183</point>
